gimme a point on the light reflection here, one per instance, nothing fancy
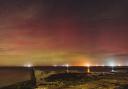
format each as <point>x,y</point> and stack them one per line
<point>67,70</point>
<point>88,67</point>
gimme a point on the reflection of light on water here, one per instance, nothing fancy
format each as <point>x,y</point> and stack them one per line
<point>88,70</point>
<point>88,67</point>
<point>112,66</point>
<point>67,67</point>
<point>67,70</point>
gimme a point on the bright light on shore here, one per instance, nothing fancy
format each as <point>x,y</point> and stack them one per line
<point>112,65</point>
<point>87,65</point>
<point>67,65</point>
<point>28,65</point>
<point>96,65</point>
<point>55,65</point>
<point>103,65</point>
<point>119,64</point>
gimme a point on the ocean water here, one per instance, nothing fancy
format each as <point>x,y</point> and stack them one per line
<point>9,76</point>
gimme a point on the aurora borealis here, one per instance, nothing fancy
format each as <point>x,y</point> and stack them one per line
<point>49,32</point>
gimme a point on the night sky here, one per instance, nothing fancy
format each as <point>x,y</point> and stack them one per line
<point>74,32</point>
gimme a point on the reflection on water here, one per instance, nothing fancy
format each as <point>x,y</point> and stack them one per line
<point>10,76</point>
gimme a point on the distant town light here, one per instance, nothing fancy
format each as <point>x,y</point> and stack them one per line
<point>96,65</point>
<point>67,65</point>
<point>112,64</point>
<point>119,64</point>
<point>28,65</point>
<point>87,65</point>
<point>55,65</point>
<point>103,65</point>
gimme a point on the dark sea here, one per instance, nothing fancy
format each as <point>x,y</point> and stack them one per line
<point>13,75</point>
